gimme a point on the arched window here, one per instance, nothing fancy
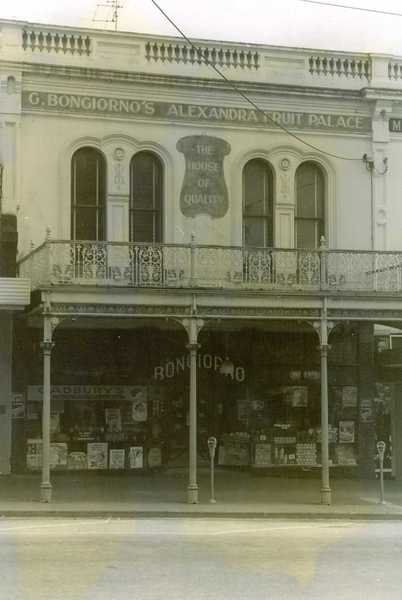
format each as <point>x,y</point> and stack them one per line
<point>310,206</point>
<point>146,177</point>
<point>88,199</point>
<point>257,204</point>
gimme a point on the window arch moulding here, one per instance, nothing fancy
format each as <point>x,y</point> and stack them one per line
<point>146,205</point>
<point>310,215</point>
<point>106,145</point>
<point>284,189</point>
<point>88,207</point>
<point>258,203</point>
<point>296,158</point>
<point>63,225</point>
<point>235,188</point>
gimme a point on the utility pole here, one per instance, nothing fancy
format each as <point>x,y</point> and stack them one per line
<point>114,7</point>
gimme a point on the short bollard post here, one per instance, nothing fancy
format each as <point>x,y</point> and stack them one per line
<point>212,442</point>
<point>381,452</point>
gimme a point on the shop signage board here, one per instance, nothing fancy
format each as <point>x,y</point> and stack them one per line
<point>56,102</point>
<point>86,392</point>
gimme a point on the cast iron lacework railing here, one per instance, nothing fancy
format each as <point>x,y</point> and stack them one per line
<point>219,57</point>
<point>341,66</point>
<point>189,266</point>
<point>50,41</point>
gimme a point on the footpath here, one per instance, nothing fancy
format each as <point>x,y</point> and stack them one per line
<point>164,494</point>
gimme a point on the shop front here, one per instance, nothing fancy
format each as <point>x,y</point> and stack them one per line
<point>120,399</point>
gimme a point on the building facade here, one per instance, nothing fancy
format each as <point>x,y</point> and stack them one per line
<point>208,255</point>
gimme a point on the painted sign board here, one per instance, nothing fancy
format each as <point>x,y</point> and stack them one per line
<point>85,104</point>
<point>395,125</point>
<point>204,189</point>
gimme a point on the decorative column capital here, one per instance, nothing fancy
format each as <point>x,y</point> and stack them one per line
<point>193,327</point>
<point>323,328</point>
<point>47,346</point>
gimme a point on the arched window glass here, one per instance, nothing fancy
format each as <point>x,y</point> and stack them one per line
<point>146,198</point>
<point>310,206</point>
<point>88,200</point>
<point>257,204</point>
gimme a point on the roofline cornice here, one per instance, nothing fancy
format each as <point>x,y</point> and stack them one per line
<point>184,82</point>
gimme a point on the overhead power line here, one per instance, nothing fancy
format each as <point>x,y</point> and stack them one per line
<point>246,97</point>
<point>348,7</point>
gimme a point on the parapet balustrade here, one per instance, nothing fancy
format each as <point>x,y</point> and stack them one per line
<point>66,263</point>
<point>55,41</point>
<point>395,69</point>
<point>341,66</point>
<point>217,56</point>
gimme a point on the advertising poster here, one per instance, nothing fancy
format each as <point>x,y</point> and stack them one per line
<point>34,453</point>
<point>117,458</point>
<point>113,420</point>
<point>77,461</point>
<point>346,432</point>
<point>18,406</point>
<point>97,455</point>
<point>154,457</point>
<point>136,457</point>
<point>58,454</point>
<point>140,410</point>
<point>349,396</point>
<point>366,410</point>
<point>296,396</point>
<point>54,423</point>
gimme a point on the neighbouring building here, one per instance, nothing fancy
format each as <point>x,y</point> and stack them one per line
<point>207,257</point>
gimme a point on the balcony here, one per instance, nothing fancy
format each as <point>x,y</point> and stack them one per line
<point>164,266</point>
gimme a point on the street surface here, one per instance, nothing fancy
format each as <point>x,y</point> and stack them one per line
<point>197,559</point>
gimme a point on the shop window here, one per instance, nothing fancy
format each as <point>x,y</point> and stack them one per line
<point>310,201</point>
<point>257,204</point>
<point>146,177</point>
<point>88,185</point>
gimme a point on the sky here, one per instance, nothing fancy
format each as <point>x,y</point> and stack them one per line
<point>274,22</point>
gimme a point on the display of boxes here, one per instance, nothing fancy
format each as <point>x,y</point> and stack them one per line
<point>306,453</point>
<point>262,456</point>
<point>284,455</point>
<point>285,439</point>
